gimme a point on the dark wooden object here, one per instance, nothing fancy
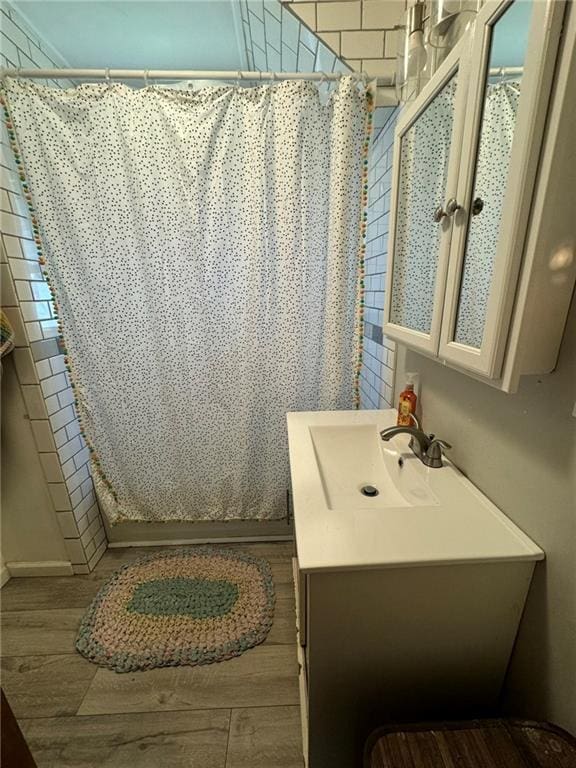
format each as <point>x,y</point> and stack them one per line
<point>471,744</point>
<point>15,753</point>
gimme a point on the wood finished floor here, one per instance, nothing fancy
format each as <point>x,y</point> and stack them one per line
<point>242,713</point>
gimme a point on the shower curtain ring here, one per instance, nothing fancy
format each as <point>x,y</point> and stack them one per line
<point>146,78</point>
<point>107,75</point>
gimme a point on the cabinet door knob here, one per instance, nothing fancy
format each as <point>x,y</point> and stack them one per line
<point>477,206</point>
<point>439,214</point>
<point>452,206</point>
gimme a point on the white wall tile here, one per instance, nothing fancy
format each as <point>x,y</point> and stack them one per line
<point>33,322</point>
<point>76,497</point>
<point>34,331</point>
<point>67,525</point>
<point>73,429</point>
<point>87,487</point>
<point>82,457</point>
<point>15,225</point>
<point>60,497</point>
<point>34,402</point>
<point>23,290</point>
<point>382,14</point>
<point>25,368</point>
<point>338,15</point>
<point>52,404</point>
<point>43,436</point>
<point>307,12</point>
<point>43,368</point>
<point>35,310</point>
<point>332,40</point>
<point>51,466</point>
<point>25,270</point>
<point>97,555</point>
<point>49,329</point>
<point>57,364</point>
<point>77,478</point>
<point>15,319</point>
<point>75,550</point>
<point>362,45</point>
<point>69,449</point>
<point>391,39</point>
<point>8,294</point>
<point>53,384</point>
<point>89,546</point>
<point>7,47</point>
<point>62,417</point>
<point>82,522</point>
<point>40,291</point>
<point>66,397</point>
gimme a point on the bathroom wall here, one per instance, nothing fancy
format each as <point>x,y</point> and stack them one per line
<point>377,374</point>
<point>520,450</point>
<point>361,32</point>
<point>276,40</point>
<point>32,541</point>
<point>39,364</point>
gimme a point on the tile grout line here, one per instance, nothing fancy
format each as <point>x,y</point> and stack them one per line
<point>88,686</point>
<point>228,739</point>
<point>74,652</point>
<point>156,712</point>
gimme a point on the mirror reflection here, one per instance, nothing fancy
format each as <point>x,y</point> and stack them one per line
<point>424,155</point>
<point>503,87</point>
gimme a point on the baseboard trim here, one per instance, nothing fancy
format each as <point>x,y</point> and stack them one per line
<point>40,568</point>
<point>209,540</point>
<point>131,533</point>
<point>4,576</point>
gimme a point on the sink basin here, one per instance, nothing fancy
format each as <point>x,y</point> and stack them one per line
<point>421,516</point>
<point>353,457</point>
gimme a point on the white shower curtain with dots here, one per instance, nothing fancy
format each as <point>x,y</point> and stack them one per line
<point>202,248</point>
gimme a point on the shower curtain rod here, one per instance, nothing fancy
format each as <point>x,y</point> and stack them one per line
<point>183,74</point>
<point>505,71</point>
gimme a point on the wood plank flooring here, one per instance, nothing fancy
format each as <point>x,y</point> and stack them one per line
<point>242,713</point>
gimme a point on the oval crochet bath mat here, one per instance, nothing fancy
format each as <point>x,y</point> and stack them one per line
<point>192,605</point>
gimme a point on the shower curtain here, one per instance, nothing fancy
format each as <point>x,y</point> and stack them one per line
<point>202,249</point>
<point>498,124</point>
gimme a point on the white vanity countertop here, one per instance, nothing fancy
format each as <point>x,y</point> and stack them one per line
<point>462,526</point>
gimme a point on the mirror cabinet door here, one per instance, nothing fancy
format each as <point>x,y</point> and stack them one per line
<point>503,83</point>
<point>426,154</point>
<point>486,247</point>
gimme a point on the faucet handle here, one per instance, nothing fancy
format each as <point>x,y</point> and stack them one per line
<point>442,443</point>
<point>435,451</point>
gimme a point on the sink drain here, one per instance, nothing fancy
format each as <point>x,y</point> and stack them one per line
<point>369,490</point>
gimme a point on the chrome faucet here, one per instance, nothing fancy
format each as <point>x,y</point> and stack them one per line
<point>428,448</point>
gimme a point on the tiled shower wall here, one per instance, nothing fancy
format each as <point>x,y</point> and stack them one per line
<point>277,41</point>
<point>377,374</point>
<point>39,364</point>
<point>361,32</point>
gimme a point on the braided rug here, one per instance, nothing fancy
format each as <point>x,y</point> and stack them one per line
<point>185,606</point>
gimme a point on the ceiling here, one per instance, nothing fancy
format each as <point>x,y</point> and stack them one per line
<point>149,34</point>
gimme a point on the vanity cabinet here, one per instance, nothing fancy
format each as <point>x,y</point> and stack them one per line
<point>408,601</point>
<point>384,645</point>
<point>481,243</point>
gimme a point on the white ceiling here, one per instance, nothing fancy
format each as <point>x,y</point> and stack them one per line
<point>149,34</point>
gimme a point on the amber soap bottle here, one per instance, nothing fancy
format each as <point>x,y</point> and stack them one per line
<point>407,405</point>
